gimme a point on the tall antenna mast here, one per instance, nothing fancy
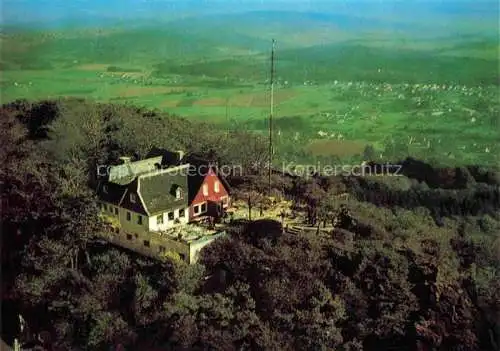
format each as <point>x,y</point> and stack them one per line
<point>271,116</point>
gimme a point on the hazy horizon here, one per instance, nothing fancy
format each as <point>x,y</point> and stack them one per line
<point>95,13</point>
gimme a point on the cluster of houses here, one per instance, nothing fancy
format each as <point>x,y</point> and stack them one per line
<point>152,203</point>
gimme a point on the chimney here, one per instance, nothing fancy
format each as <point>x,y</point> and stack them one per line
<point>180,154</point>
<point>124,159</point>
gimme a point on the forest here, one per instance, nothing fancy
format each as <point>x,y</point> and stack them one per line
<point>423,272</point>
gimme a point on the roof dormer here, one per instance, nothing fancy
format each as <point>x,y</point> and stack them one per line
<point>177,191</point>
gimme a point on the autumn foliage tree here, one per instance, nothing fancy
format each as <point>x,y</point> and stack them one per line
<point>406,279</point>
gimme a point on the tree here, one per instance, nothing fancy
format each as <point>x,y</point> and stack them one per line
<point>313,195</point>
<point>252,198</point>
<point>326,209</point>
<point>262,289</point>
<point>382,277</point>
<point>369,153</point>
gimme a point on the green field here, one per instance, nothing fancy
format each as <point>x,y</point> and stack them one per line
<point>432,98</point>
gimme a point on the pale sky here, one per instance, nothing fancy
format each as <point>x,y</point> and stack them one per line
<point>48,10</point>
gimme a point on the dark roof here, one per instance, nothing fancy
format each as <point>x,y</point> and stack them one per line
<point>168,158</point>
<point>127,172</point>
<point>194,184</point>
<point>158,189</point>
<point>111,192</point>
<point>135,206</point>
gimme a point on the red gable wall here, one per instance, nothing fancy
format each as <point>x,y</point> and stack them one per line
<point>209,180</point>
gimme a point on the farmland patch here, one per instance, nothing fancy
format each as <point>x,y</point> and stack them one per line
<point>340,148</point>
<point>242,100</point>
<point>210,102</point>
<point>169,103</point>
<point>261,99</point>
<point>94,67</point>
<point>143,91</point>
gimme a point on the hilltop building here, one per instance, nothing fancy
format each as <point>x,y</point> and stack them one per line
<point>149,203</point>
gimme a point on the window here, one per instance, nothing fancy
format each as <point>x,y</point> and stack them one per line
<point>196,209</point>
<point>162,249</point>
<point>129,236</point>
<point>178,193</point>
<point>205,189</point>
<point>139,219</point>
<point>217,186</point>
<point>159,219</point>
<point>203,207</point>
<point>170,216</point>
<point>116,211</point>
<point>146,243</point>
<point>132,198</point>
<point>182,212</point>
<point>128,216</point>
<point>182,256</point>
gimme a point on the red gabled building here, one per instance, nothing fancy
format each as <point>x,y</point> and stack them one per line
<point>209,193</point>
